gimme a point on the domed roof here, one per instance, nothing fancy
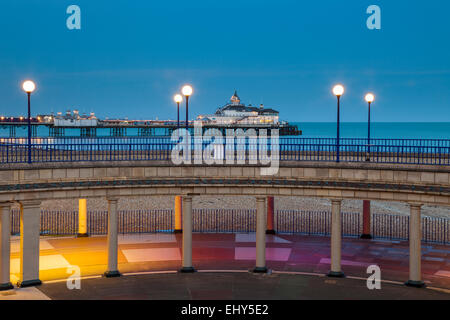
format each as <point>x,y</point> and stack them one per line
<point>235,98</point>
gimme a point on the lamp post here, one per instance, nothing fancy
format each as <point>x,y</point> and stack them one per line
<point>369,98</point>
<point>187,92</point>
<point>29,86</point>
<point>178,98</point>
<point>338,91</point>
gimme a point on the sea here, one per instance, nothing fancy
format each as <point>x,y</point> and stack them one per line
<point>387,130</point>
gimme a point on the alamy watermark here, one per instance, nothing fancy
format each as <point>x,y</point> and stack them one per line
<point>73,22</point>
<point>74,280</point>
<point>374,20</point>
<point>374,280</point>
<point>211,147</point>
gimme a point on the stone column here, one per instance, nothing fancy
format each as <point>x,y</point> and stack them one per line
<point>415,239</point>
<point>260,235</point>
<point>336,239</point>
<point>112,270</point>
<point>30,217</point>
<point>178,215</point>
<point>366,220</point>
<point>5,233</point>
<point>82,218</point>
<point>187,235</point>
<point>270,216</point>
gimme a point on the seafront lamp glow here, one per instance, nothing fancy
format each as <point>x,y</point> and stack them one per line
<point>338,91</point>
<point>178,98</point>
<point>369,99</point>
<point>29,86</point>
<point>187,92</point>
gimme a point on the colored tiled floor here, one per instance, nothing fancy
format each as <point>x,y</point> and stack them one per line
<point>155,252</point>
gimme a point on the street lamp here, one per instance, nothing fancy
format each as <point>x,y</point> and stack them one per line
<point>338,91</point>
<point>29,86</point>
<point>369,98</point>
<point>178,98</point>
<point>187,92</point>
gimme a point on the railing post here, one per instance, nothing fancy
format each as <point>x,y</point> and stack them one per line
<point>5,234</point>
<point>187,236</point>
<point>270,215</point>
<point>415,272</point>
<point>336,240</point>
<point>260,236</point>
<point>29,243</point>
<point>82,218</point>
<point>112,239</point>
<point>178,214</point>
<point>366,220</point>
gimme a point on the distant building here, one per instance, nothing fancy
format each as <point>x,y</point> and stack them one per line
<point>73,119</point>
<point>236,112</point>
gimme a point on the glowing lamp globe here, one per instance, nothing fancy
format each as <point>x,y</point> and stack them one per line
<point>178,98</point>
<point>370,97</point>
<point>338,90</point>
<point>187,90</point>
<point>28,86</point>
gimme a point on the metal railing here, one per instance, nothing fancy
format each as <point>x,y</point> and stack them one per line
<point>316,223</point>
<point>384,226</point>
<point>73,149</point>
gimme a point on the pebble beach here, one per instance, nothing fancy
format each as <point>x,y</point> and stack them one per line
<point>243,202</point>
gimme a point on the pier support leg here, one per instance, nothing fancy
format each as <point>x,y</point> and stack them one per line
<point>270,215</point>
<point>5,234</point>
<point>336,240</point>
<point>178,214</point>
<point>30,214</point>
<point>260,235</point>
<point>82,218</point>
<point>112,270</point>
<point>366,220</point>
<point>187,235</point>
<point>415,239</point>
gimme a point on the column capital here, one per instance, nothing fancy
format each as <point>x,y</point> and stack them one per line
<point>112,199</point>
<point>261,198</point>
<point>186,198</point>
<point>6,203</point>
<point>30,203</point>
<point>415,205</point>
<point>337,201</point>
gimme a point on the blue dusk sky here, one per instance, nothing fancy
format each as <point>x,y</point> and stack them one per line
<point>130,57</point>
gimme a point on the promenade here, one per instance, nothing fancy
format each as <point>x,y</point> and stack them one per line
<point>236,252</point>
<point>229,286</point>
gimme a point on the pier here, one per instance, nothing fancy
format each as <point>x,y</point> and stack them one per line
<point>17,127</point>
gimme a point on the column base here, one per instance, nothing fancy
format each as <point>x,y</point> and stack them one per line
<point>112,274</point>
<point>366,236</point>
<point>82,235</point>
<point>270,232</point>
<point>6,286</point>
<point>188,270</point>
<point>415,284</point>
<point>177,231</point>
<point>29,283</point>
<point>260,270</point>
<point>336,274</point>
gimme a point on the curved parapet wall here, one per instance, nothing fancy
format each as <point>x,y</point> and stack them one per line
<point>414,184</point>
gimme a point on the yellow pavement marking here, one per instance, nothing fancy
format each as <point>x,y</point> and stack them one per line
<point>55,261</point>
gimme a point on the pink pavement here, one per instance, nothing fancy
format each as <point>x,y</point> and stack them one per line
<point>286,253</point>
